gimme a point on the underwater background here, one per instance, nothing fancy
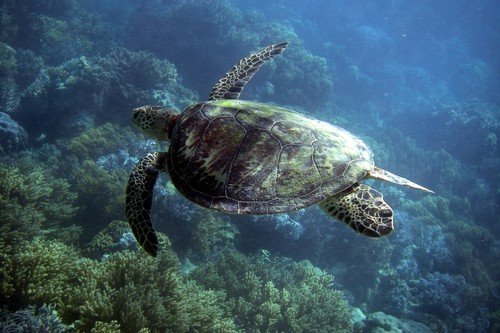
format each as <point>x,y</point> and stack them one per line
<point>417,80</point>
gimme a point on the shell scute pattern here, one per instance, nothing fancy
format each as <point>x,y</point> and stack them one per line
<point>248,157</point>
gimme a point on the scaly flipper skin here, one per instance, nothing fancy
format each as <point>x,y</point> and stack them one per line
<point>140,197</point>
<point>231,84</point>
<point>363,209</point>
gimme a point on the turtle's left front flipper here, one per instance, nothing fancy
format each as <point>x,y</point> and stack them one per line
<point>140,197</point>
<point>363,209</point>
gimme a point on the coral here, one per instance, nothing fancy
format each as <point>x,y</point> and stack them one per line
<point>302,79</point>
<point>8,66</point>
<point>99,88</point>
<point>474,252</point>
<point>97,141</point>
<point>9,90</point>
<point>31,200</point>
<point>100,193</point>
<point>381,322</point>
<point>126,291</point>
<point>424,253</point>
<point>31,320</point>
<point>450,122</point>
<point>471,78</point>
<point>212,235</point>
<point>137,292</point>
<point>57,30</point>
<point>452,299</point>
<point>37,274</point>
<point>29,66</point>
<point>12,136</point>
<point>276,294</point>
<point>289,226</point>
<point>116,236</point>
<point>109,327</point>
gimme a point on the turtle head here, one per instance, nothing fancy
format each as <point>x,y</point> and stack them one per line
<point>156,121</point>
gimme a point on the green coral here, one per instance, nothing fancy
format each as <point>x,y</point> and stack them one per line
<point>139,292</point>
<point>32,200</point>
<point>276,295</point>
<point>100,193</point>
<point>9,94</point>
<point>212,234</point>
<point>99,140</point>
<point>105,240</point>
<point>37,274</point>
<point>126,291</point>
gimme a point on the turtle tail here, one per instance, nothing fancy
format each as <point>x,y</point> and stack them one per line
<point>139,199</point>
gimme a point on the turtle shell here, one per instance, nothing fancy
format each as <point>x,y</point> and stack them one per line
<point>246,157</point>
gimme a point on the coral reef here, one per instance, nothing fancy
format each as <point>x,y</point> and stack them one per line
<point>38,274</point>
<point>31,320</point>
<point>426,102</point>
<point>139,292</point>
<point>477,120</point>
<point>9,90</point>
<point>302,79</point>
<point>32,202</point>
<point>99,88</point>
<point>126,291</point>
<point>275,294</point>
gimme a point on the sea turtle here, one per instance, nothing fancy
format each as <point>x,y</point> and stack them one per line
<point>246,157</point>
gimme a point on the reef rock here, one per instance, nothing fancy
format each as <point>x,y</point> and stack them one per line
<point>379,322</point>
<point>12,136</point>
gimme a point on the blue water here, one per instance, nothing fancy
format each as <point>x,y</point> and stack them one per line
<point>417,81</point>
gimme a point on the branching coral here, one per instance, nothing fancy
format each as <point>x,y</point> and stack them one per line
<point>31,200</point>
<point>127,291</point>
<point>43,319</point>
<point>212,235</point>
<point>37,274</point>
<point>303,79</point>
<point>139,292</point>
<point>101,192</point>
<point>271,295</point>
<point>97,141</point>
<point>9,94</point>
<point>99,88</point>
<point>451,297</point>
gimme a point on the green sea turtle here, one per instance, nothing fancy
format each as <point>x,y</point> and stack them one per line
<point>251,158</point>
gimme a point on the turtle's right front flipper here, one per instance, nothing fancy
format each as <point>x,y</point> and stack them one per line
<point>233,82</point>
<point>140,197</point>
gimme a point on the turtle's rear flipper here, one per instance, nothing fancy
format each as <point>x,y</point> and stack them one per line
<point>139,199</point>
<point>387,176</point>
<point>363,209</point>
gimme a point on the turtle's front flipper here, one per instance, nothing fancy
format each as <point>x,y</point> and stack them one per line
<point>363,209</point>
<point>140,197</point>
<point>231,84</point>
